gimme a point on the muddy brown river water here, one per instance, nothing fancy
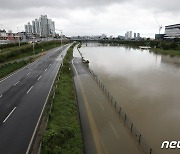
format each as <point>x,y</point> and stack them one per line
<point>146,85</point>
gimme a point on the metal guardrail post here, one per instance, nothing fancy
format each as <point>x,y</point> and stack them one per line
<point>139,139</point>
<point>119,110</point>
<point>124,119</point>
<point>131,127</point>
<point>150,152</point>
<point>122,114</point>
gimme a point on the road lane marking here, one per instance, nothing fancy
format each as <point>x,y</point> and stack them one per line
<point>9,115</point>
<point>37,124</point>
<point>28,73</point>
<point>94,130</point>
<point>45,70</point>
<point>16,83</point>
<point>29,89</point>
<point>101,106</point>
<point>39,78</point>
<point>1,96</point>
<point>115,132</point>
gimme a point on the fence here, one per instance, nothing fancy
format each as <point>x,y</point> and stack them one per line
<point>142,144</point>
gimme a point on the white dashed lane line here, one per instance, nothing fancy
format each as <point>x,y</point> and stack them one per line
<point>9,115</point>
<point>16,83</point>
<point>29,89</point>
<point>39,78</point>
<point>115,132</point>
<point>28,73</point>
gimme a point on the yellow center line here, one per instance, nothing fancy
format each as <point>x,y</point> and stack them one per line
<point>95,133</point>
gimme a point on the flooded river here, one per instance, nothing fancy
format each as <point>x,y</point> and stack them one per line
<point>146,85</point>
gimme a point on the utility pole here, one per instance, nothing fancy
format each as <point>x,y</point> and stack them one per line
<point>61,37</point>
<point>18,37</point>
<point>33,44</point>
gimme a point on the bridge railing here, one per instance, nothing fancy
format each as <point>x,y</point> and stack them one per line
<point>142,144</point>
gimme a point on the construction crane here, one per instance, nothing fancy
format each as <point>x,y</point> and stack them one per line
<point>160,26</point>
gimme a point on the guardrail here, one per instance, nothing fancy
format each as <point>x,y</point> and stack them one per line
<point>142,144</point>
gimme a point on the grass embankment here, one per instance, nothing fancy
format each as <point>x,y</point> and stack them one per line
<point>8,68</point>
<point>166,52</point>
<point>15,53</point>
<point>63,133</point>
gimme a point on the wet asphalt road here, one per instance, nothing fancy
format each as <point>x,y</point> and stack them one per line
<point>22,98</point>
<point>103,131</point>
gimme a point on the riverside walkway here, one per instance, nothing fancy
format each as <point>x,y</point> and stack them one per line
<point>103,130</point>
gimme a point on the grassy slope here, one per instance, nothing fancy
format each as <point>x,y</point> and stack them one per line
<point>28,50</point>
<point>63,133</point>
<point>167,52</point>
<point>9,68</point>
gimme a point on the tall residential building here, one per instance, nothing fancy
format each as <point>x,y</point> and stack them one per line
<point>134,35</point>
<point>33,27</point>
<point>130,34</point>
<point>37,26</point>
<point>51,27</point>
<point>138,35</point>
<point>43,27</point>
<point>29,28</point>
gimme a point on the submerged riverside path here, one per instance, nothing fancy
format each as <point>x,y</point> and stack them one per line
<point>103,131</point>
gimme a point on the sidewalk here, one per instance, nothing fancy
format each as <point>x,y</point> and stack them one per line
<point>103,131</point>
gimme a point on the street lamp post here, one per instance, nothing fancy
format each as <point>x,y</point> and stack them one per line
<point>61,35</point>
<point>18,37</point>
<point>33,44</point>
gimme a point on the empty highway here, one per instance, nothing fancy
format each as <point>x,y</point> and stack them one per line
<point>23,96</point>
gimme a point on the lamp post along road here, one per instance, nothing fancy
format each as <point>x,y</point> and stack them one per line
<point>18,36</point>
<point>61,35</point>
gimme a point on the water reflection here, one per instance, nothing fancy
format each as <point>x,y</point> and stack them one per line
<point>146,85</point>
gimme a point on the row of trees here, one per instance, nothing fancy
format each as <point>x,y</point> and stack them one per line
<point>166,45</point>
<point>28,48</point>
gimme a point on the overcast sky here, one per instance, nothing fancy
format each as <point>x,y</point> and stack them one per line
<point>93,17</point>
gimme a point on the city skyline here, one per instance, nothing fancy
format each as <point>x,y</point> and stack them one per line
<point>93,18</point>
<point>42,27</point>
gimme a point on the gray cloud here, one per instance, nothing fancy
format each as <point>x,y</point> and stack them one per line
<point>92,16</point>
<point>23,4</point>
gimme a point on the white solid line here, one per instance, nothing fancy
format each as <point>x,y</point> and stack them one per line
<point>39,78</point>
<point>30,143</point>
<point>45,70</point>
<point>28,73</point>
<point>9,115</point>
<point>29,89</point>
<point>1,96</point>
<point>16,71</point>
<point>16,83</point>
<point>116,134</point>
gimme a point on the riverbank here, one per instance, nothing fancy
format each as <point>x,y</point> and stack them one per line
<point>166,52</point>
<point>159,47</point>
<point>63,133</point>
